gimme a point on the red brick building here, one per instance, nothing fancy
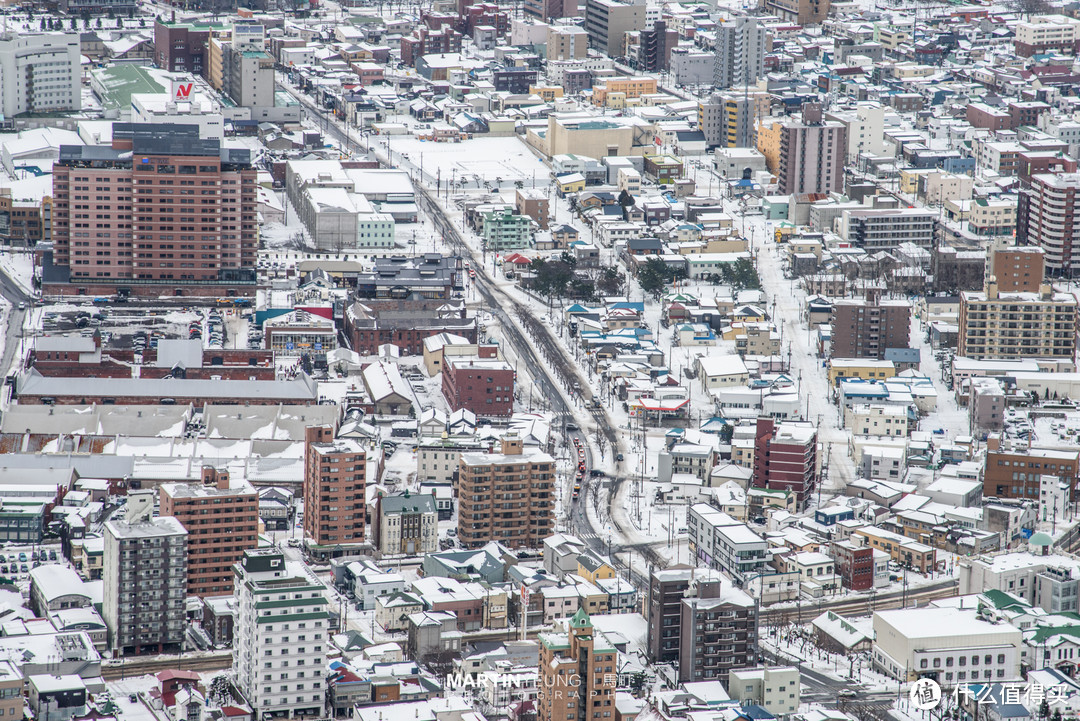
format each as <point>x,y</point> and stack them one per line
<point>77,357</point>
<point>481,384</point>
<point>426,42</point>
<point>370,326</point>
<point>785,458</point>
<point>866,327</point>
<point>181,47</point>
<point>159,207</point>
<point>335,479</point>
<point>854,565</point>
<point>222,522</point>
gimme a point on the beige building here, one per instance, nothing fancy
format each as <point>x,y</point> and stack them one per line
<point>1017,325</point>
<point>802,12</point>
<point>775,688</point>
<point>592,137</point>
<point>567,42</point>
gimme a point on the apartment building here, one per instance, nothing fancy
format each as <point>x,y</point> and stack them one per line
<point>335,481</point>
<point>484,386</point>
<point>181,47</point>
<point>145,585</point>
<point>866,327</point>
<point>872,419</point>
<point>800,12</point>
<point>875,229</point>
<point>222,521</point>
<point>775,688</point>
<point>728,119</point>
<point>578,671</point>
<point>564,42</point>
<point>280,637</point>
<point>1017,269</point>
<point>740,53</point>
<point>407,523</point>
<point>1047,34</point>
<point>667,588</point>
<point>720,542</point>
<point>854,564</point>
<point>507,497</point>
<point>608,21</point>
<point>1015,473</point>
<point>785,458</point>
<point>1045,218</point>
<point>1001,325</point>
<point>550,10</point>
<point>170,209</point>
<point>718,627</point>
<point>40,73</point>
<point>811,153</point>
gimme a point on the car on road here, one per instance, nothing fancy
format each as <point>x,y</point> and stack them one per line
<point>846,693</point>
<point>22,306</point>
<point>571,426</point>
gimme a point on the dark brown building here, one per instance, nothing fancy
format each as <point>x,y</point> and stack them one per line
<point>1017,269</point>
<point>718,629</point>
<point>370,325</point>
<point>335,479</point>
<point>865,327</point>
<point>182,47</point>
<point>854,565</point>
<point>484,386</point>
<point>222,522</point>
<point>666,589</point>
<point>160,206</point>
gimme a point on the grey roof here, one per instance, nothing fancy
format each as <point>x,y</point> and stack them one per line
<point>302,388</point>
<point>172,352</point>
<point>408,503</point>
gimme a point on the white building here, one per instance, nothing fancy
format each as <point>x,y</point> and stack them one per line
<point>720,542</point>
<point>775,688</point>
<point>866,419</point>
<point>40,73</point>
<point>278,662</point>
<point>950,644</point>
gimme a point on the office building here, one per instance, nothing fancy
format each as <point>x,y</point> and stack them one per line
<point>1017,269</point>
<point>811,153</point>
<point>280,636</point>
<point>40,73</point>
<point>335,479</point>
<point>718,627</point>
<point>1045,218</point>
<point>949,645</point>
<point>182,47</point>
<point>740,53</point>
<point>865,327</point>
<point>222,521</point>
<point>507,497</point>
<point>145,585</point>
<point>239,66</point>
<point>169,209</point>
<point>405,524</point>
<point>608,21</point>
<point>1015,473</point>
<point>774,688</point>
<point>578,670</point>
<point>785,458</point>
<point>484,386</point>
<point>1017,325</point>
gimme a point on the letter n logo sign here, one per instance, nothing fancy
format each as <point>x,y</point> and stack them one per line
<point>183,91</point>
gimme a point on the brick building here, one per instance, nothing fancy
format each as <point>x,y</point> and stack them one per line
<point>1018,270</point>
<point>578,670</point>
<point>169,209</point>
<point>222,521</point>
<point>335,479</point>
<point>522,479</point>
<point>865,327</point>
<point>483,385</point>
<point>534,203</point>
<point>426,42</point>
<point>785,458</point>
<point>182,47</point>
<point>406,325</point>
<point>1015,473</point>
<point>854,564</point>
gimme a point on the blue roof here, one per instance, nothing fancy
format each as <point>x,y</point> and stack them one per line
<point>753,711</point>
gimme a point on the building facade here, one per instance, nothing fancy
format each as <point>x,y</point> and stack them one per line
<point>279,669</point>
<point>40,73</point>
<point>811,153</point>
<point>578,671</point>
<point>484,386</point>
<point>335,480</point>
<point>145,585</point>
<point>222,522</point>
<point>785,458</point>
<point>865,327</point>
<point>1001,325</point>
<point>608,21</point>
<point>740,53</point>
<point>507,497</point>
<point>718,630</point>
<point>1045,219</point>
<point>405,524</point>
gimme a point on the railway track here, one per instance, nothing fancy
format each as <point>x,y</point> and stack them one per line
<point>806,612</point>
<point>140,666</point>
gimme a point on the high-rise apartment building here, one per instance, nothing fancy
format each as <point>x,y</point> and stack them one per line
<point>1017,325</point>
<point>144,570</point>
<point>812,153</point>
<point>280,636</point>
<point>865,327</point>
<point>729,120</point>
<point>40,73</point>
<point>1017,269</point>
<point>240,67</point>
<point>159,207</point>
<point>740,53</point>
<point>335,479</point>
<point>608,21</point>
<point>667,588</point>
<point>578,672</point>
<point>222,521</point>
<point>507,497</point>
<point>1047,216</point>
<point>785,458</point>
